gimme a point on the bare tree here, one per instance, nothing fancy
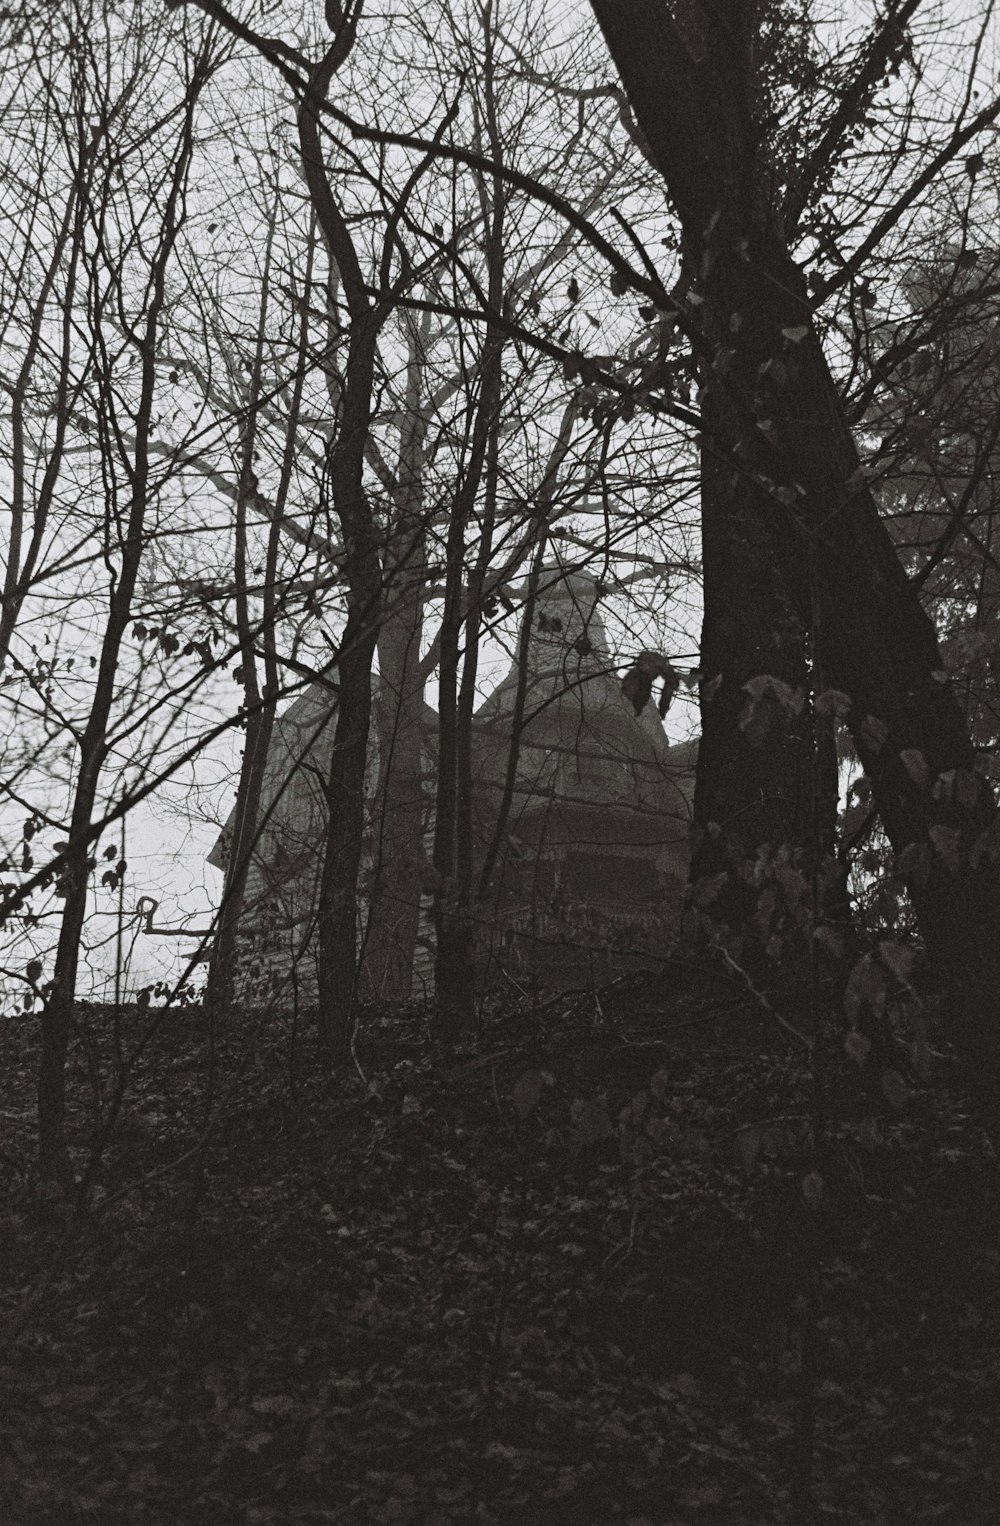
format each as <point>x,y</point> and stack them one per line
<point>435,270</point>
<point>125,544</point>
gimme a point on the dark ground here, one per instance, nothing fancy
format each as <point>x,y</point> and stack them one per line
<point>568,1278</point>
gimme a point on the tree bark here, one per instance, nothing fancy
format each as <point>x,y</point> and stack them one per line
<point>394,909</point>
<point>398,812</point>
<point>337,912</point>
<point>688,76</point>
<point>752,797</point>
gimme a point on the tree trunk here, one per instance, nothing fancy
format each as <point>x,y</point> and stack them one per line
<point>454,926</point>
<point>345,794</point>
<point>259,718</point>
<point>692,96</point>
<point>398,815</point>
<point>222,970</point>
<point>345,478</point>
<point>754,795</point>
<point>453,971</point>
<point>394,909</point>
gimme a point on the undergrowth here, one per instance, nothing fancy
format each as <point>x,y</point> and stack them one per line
<point>595,1267</point>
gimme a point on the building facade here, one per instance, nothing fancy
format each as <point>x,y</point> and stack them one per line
<point>582,804</point>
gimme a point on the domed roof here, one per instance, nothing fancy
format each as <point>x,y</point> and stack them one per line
<point>581,743</point>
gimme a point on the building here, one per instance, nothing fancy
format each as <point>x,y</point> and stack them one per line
<point>596,836</point>
<point>588,828</point>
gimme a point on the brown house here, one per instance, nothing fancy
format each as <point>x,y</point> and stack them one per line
<point>591,834</point>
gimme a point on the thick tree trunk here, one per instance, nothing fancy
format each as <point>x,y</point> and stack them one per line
<point>398,816</point>
<point>754,795</point>
<point>773,791</point>
<point>394,909</point>
<point>688,78</point>
<point>879,646</point>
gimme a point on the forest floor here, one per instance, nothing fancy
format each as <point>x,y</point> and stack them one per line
<point>595,1268</point>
